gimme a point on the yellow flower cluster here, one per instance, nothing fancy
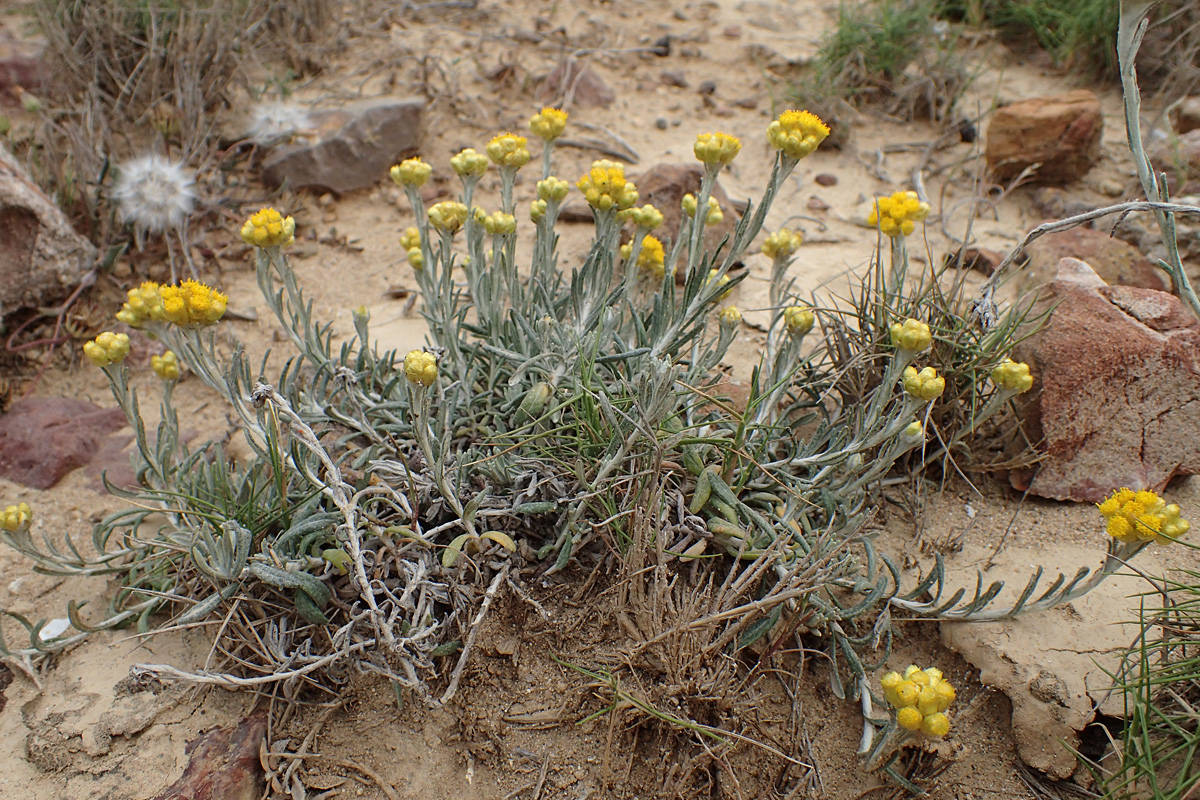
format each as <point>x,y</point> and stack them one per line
<point>144,304</point>
<point>714,209</point>
<point>605,187</point>
<point>716,149</point>
<point>537,210</point>
<point>269,228</point>
<point>166,366</point>
<point>646,217</point>
<point>468,162</point>
<point>1012,376</point>
<point>721,281</point>
<point>797,133</point>
<point>899,214</point>
<point>799,320</point>
<point>420,367</point>
<point>448,216</point>
<point>107,348</point>
<point>730,317</point>
<point>508,150</point>
<point>549,123</point>
<point>15,516</point>
<point>500,224</point>
<point>411,172</point>
<point>410,240</point>
<point>913,335</point>
<point>920,697</point>
<point>782,244</point>
<point>192,303</point>
<point>651,258</point>
<point>1142,517</point>
<point>925,385</point>
<point>552,189</point>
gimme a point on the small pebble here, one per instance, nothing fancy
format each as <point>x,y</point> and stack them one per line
<point>707,87</point>
<point>732,32</point>
<point>662,47</point>
<point>661,123</point>
<point>1112,188</point>
<point>674,77</point>
<point>817,204</point>
<point>825,179</point>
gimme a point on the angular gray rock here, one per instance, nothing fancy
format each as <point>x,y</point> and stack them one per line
<point>351,147</point>
<point>42,258</point>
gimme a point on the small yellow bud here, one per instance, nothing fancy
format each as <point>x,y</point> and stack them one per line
<point>716,149</point>
<point>508,150</point>
<point>420,368</point>
<point>719,282</point>
<point>14,517</point>
<point>549,123</point>
<point>915,431</point>
<point>500,224</point>
<point>925,385</point>
<point>552,189</point>
<point>166,366</point>
<point>782,244</point>
<point>410,238</point>
<point>448,216</point>
<point>909,718</point>
<point>799,320</point>
<point>730,317</point>
<point>797,133</point>
<point>907,693</point>
<point>269,228</point>
<point>935,726</point>
<point>468,162</point>
<point>913,335</point>
<point>1012,376</point>
<point>537,210</point>
<point>416,258</point>
<point>714,209</point>
<point>646,217</point>
<point>411,172</point>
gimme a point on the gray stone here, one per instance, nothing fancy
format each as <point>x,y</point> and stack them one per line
<point>352,147</point>
<point>42,258</point>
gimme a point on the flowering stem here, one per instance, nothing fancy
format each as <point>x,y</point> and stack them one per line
<point>744,236</point>
<point>547,154</point>
<point>696,243</point>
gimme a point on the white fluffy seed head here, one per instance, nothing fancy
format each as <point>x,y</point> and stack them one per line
<point>154,193</point>
<point>270,122</point>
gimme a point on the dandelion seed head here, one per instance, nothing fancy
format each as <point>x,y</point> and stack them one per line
<point>154,193</point>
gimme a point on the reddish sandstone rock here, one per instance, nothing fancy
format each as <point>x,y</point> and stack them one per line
<point>1117,395</point>
<point>224,764</point>
<point>1061,133</point>
<point>1115,261</point>
<point>44,438</point>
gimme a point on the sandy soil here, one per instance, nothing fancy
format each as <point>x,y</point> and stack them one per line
<point>77,729</point>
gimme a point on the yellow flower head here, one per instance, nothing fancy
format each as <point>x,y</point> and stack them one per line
<point>448,216</point>
<point>714,209</point>
<point>410,238</point>
<point>420,368</point>
<point>508,150</point>
<point>468,162</point>
<point>166,366</point>
<point>537,210</point>
<point>144,304</point>
<point>652,257</point>
<point>920,698</point>
<point>500,224</point>
<point>552,189</point>
<point>782,244</point>
<point>730,317</point>
<point>14,517</point>
<point>797,133</point>
<point>192,303</point>
<point>799,320</point>
<point>1142,517</point>
<point>549,123</point>
<point>913,335</point>
<point>411,172</point>
<point>269,228</point>
<point>925,385</point>
<point>107,348</point>
<point>1012,376</point>
<point>716,149</point>
<point>646,217</point>
<point>605,187</point>
<point>899,214</point>
<point>721,281</point>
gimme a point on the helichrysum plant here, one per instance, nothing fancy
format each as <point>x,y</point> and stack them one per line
<point>391,496</point>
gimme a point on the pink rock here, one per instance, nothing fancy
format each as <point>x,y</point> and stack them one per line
<point>1061,133</point>
<point>1115,261</point>
<point>44,438</point>
<point>1116,400</point>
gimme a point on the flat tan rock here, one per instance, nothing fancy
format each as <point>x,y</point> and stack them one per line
<point>1060,133</point>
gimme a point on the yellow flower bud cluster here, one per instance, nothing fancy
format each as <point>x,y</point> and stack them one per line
<point>552,188</point>
<point>549,123</point>
<point>192,303</point>
<point>651,258</point>
<point>913,335</point>
<point>899,214</point>
<point>537,210</point>
<point>500,224</point>
<point>166,366</point>
<point>714,209</point>
<point>1012,376</point>
<point>420,367</point>
<point>144,304</point>
<point>713,280</point>
<point>799,320</point>
<point>782,244</point>
<point>730,317</point>
<point>468,162</point>
<point>605,187</point>
<point>920,697</point>
<point>797,133</point>
<point>646,217</point>
<point>508,150</point>
<point>716,149</point>
<point>411,172</point>
<point>268,228</point>
<point>925,385</point>
<point>107,348</point>
<point>448,216</point>
<point>410,241</point>
<point>16,516</point>
<point>1142,517</point>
